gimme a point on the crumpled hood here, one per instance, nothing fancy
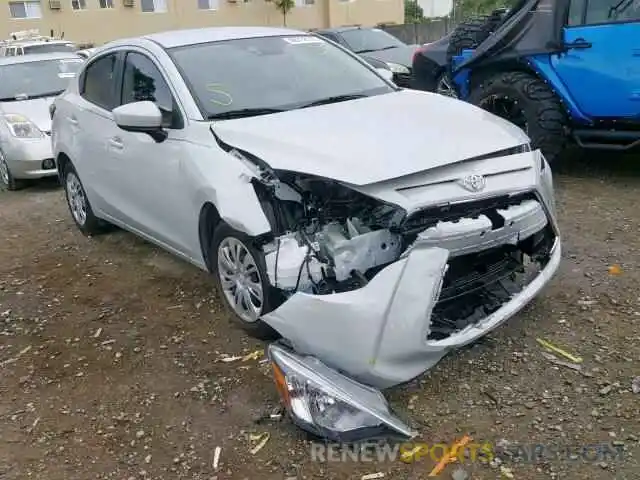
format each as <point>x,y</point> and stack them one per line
<point>36,110</point>
<point>372,139</point>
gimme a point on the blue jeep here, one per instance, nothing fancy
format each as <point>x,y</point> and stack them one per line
<point>563,70</point>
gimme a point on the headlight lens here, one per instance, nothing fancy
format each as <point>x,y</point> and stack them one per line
<point>397,68</point>
<point>328,404</point>
<point>22,127</point>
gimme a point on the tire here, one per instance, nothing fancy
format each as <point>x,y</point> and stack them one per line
<point>471,33</point>
<point>225,237</point>
<point>7,180</point>
<point>79,205</point>
<point>546,120</point>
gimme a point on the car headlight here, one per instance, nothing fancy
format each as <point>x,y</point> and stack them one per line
<point>22,127</point>
<point>329,404</point>
<point>397,68</point>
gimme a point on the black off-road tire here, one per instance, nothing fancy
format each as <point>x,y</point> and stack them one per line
<point>471,33</point>
<point>546,118</point>
<point>257,329</point>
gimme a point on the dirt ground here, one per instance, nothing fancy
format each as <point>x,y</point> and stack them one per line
<point>110,360</point>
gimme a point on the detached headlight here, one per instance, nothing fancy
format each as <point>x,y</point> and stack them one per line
<point>22,127</point>
<point>328,404</point>
<point>397,68</point>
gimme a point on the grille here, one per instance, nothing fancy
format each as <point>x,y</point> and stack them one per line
<point>429,217</point>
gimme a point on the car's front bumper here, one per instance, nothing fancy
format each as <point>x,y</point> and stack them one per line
<point>28,158</point>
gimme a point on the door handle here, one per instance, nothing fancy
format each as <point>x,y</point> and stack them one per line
<point>116,143</point>
<point>73,121</point>
<point>578,43</point>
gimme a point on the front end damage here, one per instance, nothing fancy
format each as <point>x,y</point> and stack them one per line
<point>377,288</point>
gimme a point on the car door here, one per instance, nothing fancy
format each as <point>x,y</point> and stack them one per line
<point>91,122</point>
<point>152,188</point>
<point>601,66</point>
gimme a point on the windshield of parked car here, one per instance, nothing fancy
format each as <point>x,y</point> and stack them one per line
<point>36,79</point>
<point>363,40</point>
<point>254,76</point>
<point>49,48</point>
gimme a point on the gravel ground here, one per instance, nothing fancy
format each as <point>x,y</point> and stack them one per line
<point>110,360</point>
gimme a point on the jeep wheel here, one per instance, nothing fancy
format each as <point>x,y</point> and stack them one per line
<point>528,102</point>
<point>471,33</point>
<point>242,280</point>
<point>445,86</point>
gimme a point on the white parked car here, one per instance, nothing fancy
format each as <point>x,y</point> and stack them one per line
<point>28,85</point>
<point>374,228</point>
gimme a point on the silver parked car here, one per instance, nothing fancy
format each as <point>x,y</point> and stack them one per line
<point>28,85</point>
<point>374,228</point>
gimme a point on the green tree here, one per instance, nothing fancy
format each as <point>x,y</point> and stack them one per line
<point>284,6</point>
<point>413,12</point>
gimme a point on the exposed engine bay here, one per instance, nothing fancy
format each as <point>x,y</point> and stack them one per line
<point>332,239</point>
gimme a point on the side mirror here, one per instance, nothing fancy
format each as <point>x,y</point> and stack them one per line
<point>387,74</point>
<point>143,117</point>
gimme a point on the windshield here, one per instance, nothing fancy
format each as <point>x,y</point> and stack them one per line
<point>362,40</point>
<point>276,73</point>
<point>49,48</point>
<point>36,79</point>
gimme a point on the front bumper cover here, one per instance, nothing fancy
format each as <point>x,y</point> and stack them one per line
<point>378,334</point>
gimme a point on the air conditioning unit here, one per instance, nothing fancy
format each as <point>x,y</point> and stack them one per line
<point>129,3</point>
<point>55,4</point>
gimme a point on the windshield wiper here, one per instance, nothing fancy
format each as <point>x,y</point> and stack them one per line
<point>335,99</point>
<point>377,49</point>
<point>244,112</point>
<point>24,96</point>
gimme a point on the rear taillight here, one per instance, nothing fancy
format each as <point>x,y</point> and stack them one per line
<point>419,50</point>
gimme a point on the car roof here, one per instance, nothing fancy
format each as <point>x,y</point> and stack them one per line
<point>180,38</point>
<point>35,57</point>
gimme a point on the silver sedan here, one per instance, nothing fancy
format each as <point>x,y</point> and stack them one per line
<point>28,86</point>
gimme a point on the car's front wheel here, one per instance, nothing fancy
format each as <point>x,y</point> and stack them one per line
<point>242,279</point>
<point>79,205</point>
<point>7,180</point>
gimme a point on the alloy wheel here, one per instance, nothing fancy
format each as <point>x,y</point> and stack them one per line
<point>445,87</point>
<point>76,198</point>
<point>240,279</point>
<point>4,171</point>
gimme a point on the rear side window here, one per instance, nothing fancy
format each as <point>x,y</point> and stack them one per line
<point>99,82</point>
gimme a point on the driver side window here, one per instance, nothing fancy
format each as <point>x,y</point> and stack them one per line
<point>604,11</point>
<point>143,81</point>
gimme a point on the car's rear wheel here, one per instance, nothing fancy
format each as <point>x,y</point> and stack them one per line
<point>79,205</point>
<point>529,103</point>
<point>241,276</point>
<point>7,180</point>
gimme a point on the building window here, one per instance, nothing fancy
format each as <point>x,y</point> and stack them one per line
<point>27,9</point>
<point>158,6</point>
<point>79,4</point>
<point>208,4</point>
<point>105,3</point>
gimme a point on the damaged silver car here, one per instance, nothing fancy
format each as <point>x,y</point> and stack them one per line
<point>374,229</point>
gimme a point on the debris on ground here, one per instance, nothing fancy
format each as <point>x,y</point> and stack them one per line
<point>216,457</point>
<point>506,472</point>
<point>261,440</point>
<point>551,347</point>
<point>561,363</point>
<point>615,270</point>
<point>372,476</point>
<point>635,385</point>
<point>16,358</point>
<point>253,355</point>
<point>459,474</point>
<point>451,456</point>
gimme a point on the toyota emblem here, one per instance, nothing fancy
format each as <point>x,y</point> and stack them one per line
<point>474,183</point>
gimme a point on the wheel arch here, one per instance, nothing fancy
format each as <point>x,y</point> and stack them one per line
<point>62,160</point>
<point>208,220</point>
